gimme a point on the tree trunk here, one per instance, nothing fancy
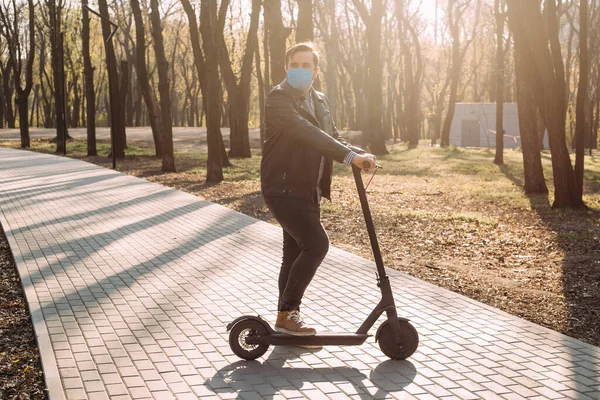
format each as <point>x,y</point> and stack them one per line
<point>143,80</point>
<point>32,109</point>
<point>547,76</point>
<point>596,124</point>
<point>412,76</point>
<point>174,94</point>
<point>196,106</point>
<point>328,29</point>
<point>346,104</point>
<point>388,117</point>
<point>45,101</point>
<point>267,77</point>
<point>225,113</point>
<point>304,29</point>
<point>277,40</point>
<point>55,22</point>
<point>2,99</point>
<point>9,113</point>
<point>168,159</point>
<point>210,84</point>
<point>137,105</point>
<point>499,14</point>
<point>454,72</point>
<point>117,129</point>
<point>23,122</point>
<point>208,25</point>
<point>438,111</point>
<point>372,20</point>
<point>124,90</point>
<point>75,122</point>
<point>239,94</point>
<point>35,105</point>
<point>16,48</point>
<point>359,99</point>
<point>582,97</point>
<point>90,95</point>
<point>83,105</point>
<point>261,97</point>
<point>528,123</point>
<point>129,106</point>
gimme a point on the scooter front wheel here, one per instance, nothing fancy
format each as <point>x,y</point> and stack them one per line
<point>409,340</point>
<point>238,335</point>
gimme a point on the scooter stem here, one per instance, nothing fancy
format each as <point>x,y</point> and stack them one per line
<point>362,195</point>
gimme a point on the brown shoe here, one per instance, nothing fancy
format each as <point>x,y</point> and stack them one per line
<point>291,322</point>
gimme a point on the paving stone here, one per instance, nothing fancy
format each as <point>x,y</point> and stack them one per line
<point>134,285</point>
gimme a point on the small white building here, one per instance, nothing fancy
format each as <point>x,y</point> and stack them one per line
<point>474,125</point>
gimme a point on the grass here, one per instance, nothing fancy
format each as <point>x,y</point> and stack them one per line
<point>448,216</point>
<point>471,170</point>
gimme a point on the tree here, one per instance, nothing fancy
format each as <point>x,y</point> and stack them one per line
<point>8,90</point>
<point>128,45</point>
<point>54,22</point>
<point>208,25</point>
<point>375,137</point>
<point>168,160</point>
<point>72,71</point>
<point>46,86</point>
<point>210,86</point>
<point>11,32</point>
<point>90,94</point>
<point>327,28</point>
<point>142,78</point>
<point>413,67</point>
<point>238,93</point>
<point>539,33</point>
<point>117,125</point>
<point>595,98</point>
<point>583,123</point>
<point>528,116</point>
<point>277,40</point>
<point>456,11</point>
<point>500,14</point>
<point>2,98</point>
<point>353,70</point>
<point>261,97</point>
<point>304,30</point>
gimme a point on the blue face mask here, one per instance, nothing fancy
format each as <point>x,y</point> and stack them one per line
<point>300,78</point>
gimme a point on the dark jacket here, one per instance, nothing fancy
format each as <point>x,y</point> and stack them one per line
<point>295,142</point>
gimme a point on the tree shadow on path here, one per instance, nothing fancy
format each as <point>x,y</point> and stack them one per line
<point>578,237</point>
<point>277,375</point>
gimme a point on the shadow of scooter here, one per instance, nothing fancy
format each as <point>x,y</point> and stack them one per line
<point>286,371</point>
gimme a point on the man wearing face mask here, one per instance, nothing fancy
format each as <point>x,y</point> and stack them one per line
<point>301,144</point>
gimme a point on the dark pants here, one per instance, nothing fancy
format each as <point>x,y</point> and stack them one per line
<point>305,244</point>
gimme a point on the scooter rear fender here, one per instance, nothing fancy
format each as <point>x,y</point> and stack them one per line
<point>257,318</point>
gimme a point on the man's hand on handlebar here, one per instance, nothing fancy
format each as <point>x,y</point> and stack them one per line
<point>365,161</point>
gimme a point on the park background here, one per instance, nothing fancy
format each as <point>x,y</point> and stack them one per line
<point>177,94</point>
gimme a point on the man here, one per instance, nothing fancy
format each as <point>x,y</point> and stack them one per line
<point>301,142</point>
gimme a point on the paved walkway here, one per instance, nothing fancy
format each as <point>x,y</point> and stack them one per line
<point>130,286</point>
<point>184,138</point>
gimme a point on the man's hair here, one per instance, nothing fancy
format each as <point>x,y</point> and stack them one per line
<point>298,47</point>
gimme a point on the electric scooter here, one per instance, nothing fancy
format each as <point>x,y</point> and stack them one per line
<point>250,336</point>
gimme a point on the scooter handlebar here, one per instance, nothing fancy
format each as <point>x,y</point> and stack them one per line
<point>367,164</point>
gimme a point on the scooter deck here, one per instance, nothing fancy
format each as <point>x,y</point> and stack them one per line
<point>323,339</point>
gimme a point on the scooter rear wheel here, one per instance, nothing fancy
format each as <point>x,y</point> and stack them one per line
<point>409,337</point>
<point>238,335</point>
